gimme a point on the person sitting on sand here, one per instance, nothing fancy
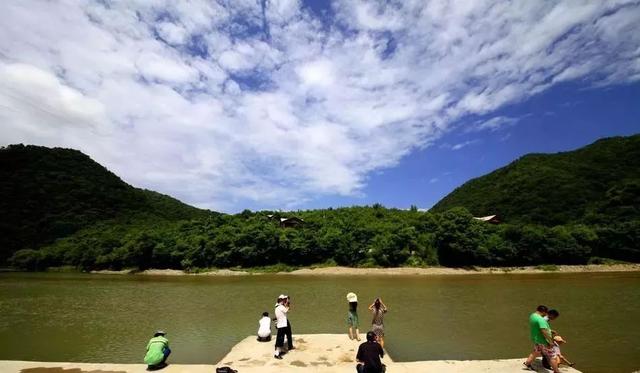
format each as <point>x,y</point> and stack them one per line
<point>377,324</point>
<point>352,317</point>
<point>369,354</point>
<point>264,329</point>
<point>157,351</point>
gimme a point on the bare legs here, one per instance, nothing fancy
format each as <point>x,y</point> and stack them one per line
<point>554,365</point>
<point>531,358</point>
<point>554,362</point>
<point>562,360</point>
<point>353,335</point>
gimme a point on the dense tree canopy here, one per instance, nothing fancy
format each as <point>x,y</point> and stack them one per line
<point>47,194</point>
<point>60,208</point>
<point>594,184</point>
<point>355,236</point>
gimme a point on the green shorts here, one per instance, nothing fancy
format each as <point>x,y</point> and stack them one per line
<point>352,319</point>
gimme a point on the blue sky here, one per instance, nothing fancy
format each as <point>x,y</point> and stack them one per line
<point>288,104</point>
<point>561,119</point>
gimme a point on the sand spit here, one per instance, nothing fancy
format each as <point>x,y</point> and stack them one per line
<point>315,353</point>
<point>400,271</point>
<point>461,271</point>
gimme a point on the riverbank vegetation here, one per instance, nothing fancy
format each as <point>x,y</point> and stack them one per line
<point>358,236</point>
<point>60,208</point>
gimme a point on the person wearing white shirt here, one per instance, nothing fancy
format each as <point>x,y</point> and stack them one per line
<point>288,332</point>
<point>264,330</point>
<point>281,325</point>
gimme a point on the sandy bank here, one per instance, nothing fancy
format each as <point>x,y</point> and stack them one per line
<point>175,272</point>
<point>403,271</point>
<point>315,353</point>
<point>328,353</point>
<point>460,271</point>
<point>443,366</point>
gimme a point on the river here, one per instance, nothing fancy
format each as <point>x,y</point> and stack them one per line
<point>109,318</point>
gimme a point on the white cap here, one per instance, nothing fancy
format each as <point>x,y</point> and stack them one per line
<point>352,297</point>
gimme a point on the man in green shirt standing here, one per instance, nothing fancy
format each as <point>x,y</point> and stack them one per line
<point>157,351</point>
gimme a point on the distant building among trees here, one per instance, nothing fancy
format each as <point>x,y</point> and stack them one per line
<point>291,222</point>
<point>492,219</point>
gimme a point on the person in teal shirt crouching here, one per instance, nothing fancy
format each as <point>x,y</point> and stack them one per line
<point>157,351</point>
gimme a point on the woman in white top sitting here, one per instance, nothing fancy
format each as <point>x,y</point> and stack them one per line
<point>264,331</point>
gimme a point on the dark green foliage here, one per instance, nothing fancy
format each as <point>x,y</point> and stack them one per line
<point>27,259</point>
<point>457,239</point>
<point>62,209</point>
<point>51,193</point>
<point>594,184</point>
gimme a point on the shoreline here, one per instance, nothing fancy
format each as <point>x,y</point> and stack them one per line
<point>314,353</point>
<point>397,271</point>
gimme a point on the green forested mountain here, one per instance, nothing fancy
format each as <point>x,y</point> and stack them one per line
<point>51,193</point>
<point>594,184</point>
<point>60,208</point>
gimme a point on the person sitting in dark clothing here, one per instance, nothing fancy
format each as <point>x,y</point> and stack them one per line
<point>369,354</point>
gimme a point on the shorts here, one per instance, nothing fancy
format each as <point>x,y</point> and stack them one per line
<point>378,330</point>
<point>352,319</point>
<point>549,351</point>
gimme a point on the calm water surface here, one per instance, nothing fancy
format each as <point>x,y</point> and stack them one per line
<point>102,318</point>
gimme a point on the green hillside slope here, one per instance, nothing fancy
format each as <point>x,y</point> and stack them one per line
<point>594,184</point>
<point>47,194</point>
<point>60,208</point>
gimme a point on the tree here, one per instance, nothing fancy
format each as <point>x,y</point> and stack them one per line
<point>457,239</point>
<point>26,259</point>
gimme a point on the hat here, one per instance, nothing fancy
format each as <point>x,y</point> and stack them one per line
<point>159,332</point>
<point>559,339</point>
<point>352,297</point>
<point>282,296</point>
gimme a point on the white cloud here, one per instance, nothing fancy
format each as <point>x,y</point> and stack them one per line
<point>460,145</point>
<point>37,99</point>
<point>227,105</point>
<point>172,33</point>
<point>154,66</point>
<point>318,73</point>
<point>494,124</point>
<point>375,16</point>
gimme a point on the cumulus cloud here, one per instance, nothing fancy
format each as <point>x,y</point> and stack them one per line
<point>234,104</point>
<point>36,102</point>
<point>172,33</point>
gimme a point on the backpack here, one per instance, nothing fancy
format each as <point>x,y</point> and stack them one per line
<point>225,370</point>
